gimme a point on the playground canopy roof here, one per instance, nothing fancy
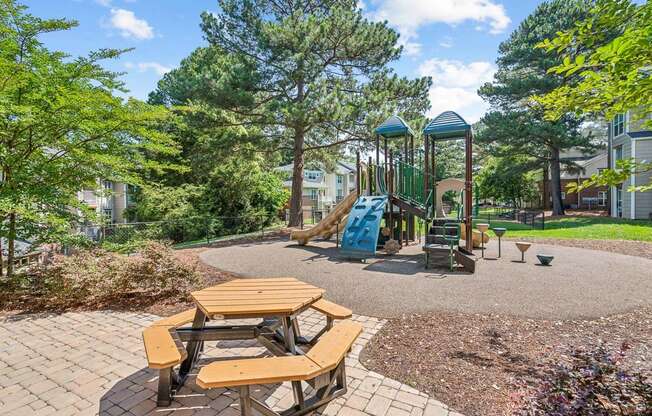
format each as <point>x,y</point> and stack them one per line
<point>394,126</point>
<point>447,125</point>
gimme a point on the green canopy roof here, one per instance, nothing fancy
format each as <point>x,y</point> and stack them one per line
<point>394,126</point>
<point>447,125</point>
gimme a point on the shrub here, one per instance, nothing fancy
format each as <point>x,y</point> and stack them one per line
<point>592,383</point>
<point>97,276</point>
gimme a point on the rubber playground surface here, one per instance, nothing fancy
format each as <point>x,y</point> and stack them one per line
<point>580,283</point>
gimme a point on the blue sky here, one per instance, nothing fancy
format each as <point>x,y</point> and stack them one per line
<point>454,41</point>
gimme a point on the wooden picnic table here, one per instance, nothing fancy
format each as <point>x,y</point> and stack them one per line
<point>277,301</point>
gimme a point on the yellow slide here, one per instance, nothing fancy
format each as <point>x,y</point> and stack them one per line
<point>328,226</point>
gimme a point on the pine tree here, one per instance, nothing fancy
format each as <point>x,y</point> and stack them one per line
<point>318,73</point>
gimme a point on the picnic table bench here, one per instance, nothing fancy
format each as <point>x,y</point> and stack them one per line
<point>277,302</point>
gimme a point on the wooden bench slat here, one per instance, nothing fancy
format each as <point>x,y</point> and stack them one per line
<point>178,319</point>
<point>258,288</point>
<point>331,309</point>
<point>161,349</point>
<point>323,357</point>
<point>333,346</point>
<point>247,296</point>
<point>245,372</point>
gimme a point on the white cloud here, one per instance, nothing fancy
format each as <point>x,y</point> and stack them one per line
<point>148,66</point>
<point>105,3</point>
<point>409,15</point>
<point>411,48</point>
<point>129,25</point>
<point>447,42</point>
<point>455,86</point>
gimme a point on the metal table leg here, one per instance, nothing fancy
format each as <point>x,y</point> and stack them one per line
<point>193,347</point>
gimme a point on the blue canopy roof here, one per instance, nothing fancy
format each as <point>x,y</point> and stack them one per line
<point>392,127</point>
<point>447,125</point>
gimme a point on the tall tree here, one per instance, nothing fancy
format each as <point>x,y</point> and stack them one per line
<point>609,52</point>
<point>62,128</point>
<point>318,74</point>
<point>516,124</point>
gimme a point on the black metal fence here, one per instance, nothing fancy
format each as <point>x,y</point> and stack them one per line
<point>533,219</point>
<point>183,232</point>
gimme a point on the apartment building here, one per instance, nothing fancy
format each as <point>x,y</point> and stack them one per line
<point>109,199</point>
<point>322,189</point>
<point>628,138</point>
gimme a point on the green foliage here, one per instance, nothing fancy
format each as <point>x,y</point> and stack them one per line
<point>507,180</point>
<point>62,127</point>
<point>312,75</point>
<point>516,125</point>
<point>608,53</point>
<point>625,168</point>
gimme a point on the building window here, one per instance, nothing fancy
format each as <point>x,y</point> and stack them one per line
<point>619,152</point>
<point>311,175</point>
<point>340,179</point>
<point>619,201</point>
<point>108,214</point>
<point>602,198</point>
<point>313,194</point>
<point>619,124</point>
<point>563,195</point>
<point>108,185</point>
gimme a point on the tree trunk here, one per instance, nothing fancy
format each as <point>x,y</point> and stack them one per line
<point>546,185</point>
<point>296,199</point>
<point>11,244</point>
<point>555,182</point>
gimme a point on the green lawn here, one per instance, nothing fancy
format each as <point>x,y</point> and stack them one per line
<point>593,228</point>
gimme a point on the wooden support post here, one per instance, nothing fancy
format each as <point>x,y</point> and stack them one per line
<point>400,226</point>
<point>426,170</point>
<point>370,178</point>
<point>468,191</point>
<point>386,171</point>
<point>390,188</point>
<point>358,179</point>
<point>377,150</point>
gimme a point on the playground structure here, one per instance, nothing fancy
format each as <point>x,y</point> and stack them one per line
<point>399,190</point>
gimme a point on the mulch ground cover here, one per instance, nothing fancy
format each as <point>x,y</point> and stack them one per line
<point>481,364</point>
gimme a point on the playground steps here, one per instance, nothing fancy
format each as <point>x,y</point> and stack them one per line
<point>434,235</point>
<point>437,255</point>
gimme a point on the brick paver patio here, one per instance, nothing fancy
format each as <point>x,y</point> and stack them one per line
<point>93,363</point>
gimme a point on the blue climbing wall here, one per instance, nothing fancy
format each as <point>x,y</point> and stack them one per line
<point>361,232</point>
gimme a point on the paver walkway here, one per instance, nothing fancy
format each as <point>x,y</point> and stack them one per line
<point>94,363</point>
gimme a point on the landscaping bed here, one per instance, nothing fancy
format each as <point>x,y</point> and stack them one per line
<point>156,280</point>
<point>486,364</point>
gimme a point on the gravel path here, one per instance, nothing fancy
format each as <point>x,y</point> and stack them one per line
<point>580,284</point>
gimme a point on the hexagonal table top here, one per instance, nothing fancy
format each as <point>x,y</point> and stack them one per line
<point>254,298</point>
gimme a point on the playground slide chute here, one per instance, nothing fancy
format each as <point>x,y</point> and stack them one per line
<point>328,225</point>
<point>361,233</point>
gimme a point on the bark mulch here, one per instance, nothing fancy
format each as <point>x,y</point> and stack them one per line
<point>478,364</point>
<point>627,247</point>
